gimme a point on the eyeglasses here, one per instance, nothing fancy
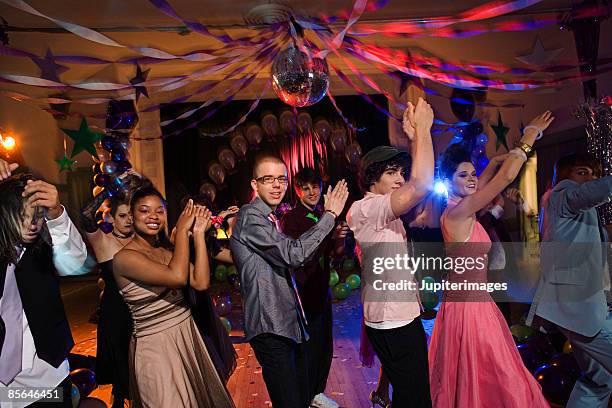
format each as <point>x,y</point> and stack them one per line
<point>271,179</point>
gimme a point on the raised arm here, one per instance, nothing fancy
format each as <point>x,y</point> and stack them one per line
<point>88,213</point>
<point>199,275</point>
<point>417,125</point>
<point>588,194</point>
<point>506,174</point>
<point>134,265</point>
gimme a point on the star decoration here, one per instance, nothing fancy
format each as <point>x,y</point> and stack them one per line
<point>539,56</point>
<point>65,163</point>
<point>49,69</point>
<point>141,77</point>
<point>84,139</point>
<point>500,131</point>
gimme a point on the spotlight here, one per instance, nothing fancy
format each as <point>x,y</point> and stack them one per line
<point>440,188</point>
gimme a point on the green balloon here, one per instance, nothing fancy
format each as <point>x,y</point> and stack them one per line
<point>429,300</point>
<point>221,272</point>
<point>521,331</point>
<point>353,281</point>
<point>333,278</point>
<point>226,324</point>
<point>348,264</point>
<point>231,270</point>
<point>341,291</point>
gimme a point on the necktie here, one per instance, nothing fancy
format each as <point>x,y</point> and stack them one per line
<point>11,313</point>
<point>274,221</point>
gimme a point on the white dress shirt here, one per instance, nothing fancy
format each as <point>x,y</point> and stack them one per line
<point>69,255</point>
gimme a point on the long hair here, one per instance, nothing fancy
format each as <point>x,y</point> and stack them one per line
<point>150,191</point>
<point>12,215</point>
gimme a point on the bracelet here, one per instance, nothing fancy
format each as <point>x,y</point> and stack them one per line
<point>537,129</point>
<point>332,213</point>
<point>519,152</point>
<point>525,148</point>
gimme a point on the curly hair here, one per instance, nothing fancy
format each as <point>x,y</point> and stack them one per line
<point>452,157</point>
<point>373,172</point>
<point>12,206</point>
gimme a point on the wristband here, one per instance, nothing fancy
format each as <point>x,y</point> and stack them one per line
<point>537,129</point>
<point>332,213</point>
<point>519,152</point>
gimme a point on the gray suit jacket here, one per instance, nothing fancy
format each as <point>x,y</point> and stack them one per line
<point>264,258</point>
<point>572,257</point>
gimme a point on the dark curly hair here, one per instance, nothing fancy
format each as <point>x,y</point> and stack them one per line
<point>150,191</point>
<point>452,157</point>
<point>373,172</point>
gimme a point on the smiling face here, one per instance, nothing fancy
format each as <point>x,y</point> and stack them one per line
<point>391,179</point>
<point>309,194</point>
<point>464,181</point>
<point>271,193</point>
<point>149,216</point>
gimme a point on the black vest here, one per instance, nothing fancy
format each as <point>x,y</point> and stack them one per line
<point>40,295</point>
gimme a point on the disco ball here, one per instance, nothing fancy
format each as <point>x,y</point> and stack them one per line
<point>298,79</point>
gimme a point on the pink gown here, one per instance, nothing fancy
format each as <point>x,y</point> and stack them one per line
<point>473,360</point>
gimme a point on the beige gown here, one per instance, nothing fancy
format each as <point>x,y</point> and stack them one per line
<point>169,363</point>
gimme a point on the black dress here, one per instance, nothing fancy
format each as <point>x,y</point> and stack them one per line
<point>114,333</point>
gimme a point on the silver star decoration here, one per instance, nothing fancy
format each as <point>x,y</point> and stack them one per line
<point>539,56</point>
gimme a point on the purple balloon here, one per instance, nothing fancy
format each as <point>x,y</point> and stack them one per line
<point>556,385</point>
<point>478,151</point>
<point>109,143</point>
<point>118,154</point>
<point>102,180</point>
<point>482,162</point>
<point>85,380</point>
<point>482,139</point>
<point>123,166</point>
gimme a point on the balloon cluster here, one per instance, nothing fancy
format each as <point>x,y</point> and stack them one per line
<point>469,131</point>
<point>341,290</point>
<point>556,372</point>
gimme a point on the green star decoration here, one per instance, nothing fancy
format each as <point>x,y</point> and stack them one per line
<point>84,139</point>
<point>500,131</point>
<point>65,163</point>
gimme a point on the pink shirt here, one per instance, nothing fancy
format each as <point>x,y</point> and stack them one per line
<point>372,221</point>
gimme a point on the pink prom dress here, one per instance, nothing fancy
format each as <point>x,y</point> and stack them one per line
<point>473,360</point>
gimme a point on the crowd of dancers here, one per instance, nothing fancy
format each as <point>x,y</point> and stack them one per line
<point>161,344</point>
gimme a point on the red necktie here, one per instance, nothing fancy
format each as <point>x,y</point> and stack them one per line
<point>274,221</point>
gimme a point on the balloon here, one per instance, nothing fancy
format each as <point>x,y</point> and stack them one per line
<point>521,332</point>
<point>269,123</point>
<point>348,265</point>
<point>227,159</point>
<point>224,306</point>
<point>101,180</point>
<point>567,347</point>
<point>103,155</point>
<point>239,145</point>
<point>232,279</point>
<point>482,139</point>
<point>556,386</point>
<point>109,143</point>
<point>109,167</point>
<point>338,139</point>
<point>334,278</point>
<point>353,280</point>
<point>341,291</point>
<point>118,154</point>
<point>226,324</point>
<point>90,402</point>
<point>298,79</point>
<point>85,380</point>
<point>353,153</point>
<point>123,166</point>
<point>474,129</point>
<point>428,281</point>
<point>237,284</point>
<point>232,270</point>
<point>97,190</point>
<point>287,121</point>
<point>429,300</point>
<point>216,173</point>
<point>75,396</point>
<point>462,104</point>
<point>254,134</point>
<point>304,121</point>
<point>567,363</point>
<point>542,344</point>
<point>482,163</point>
<point>531,356</point>
<point>221,272</point>
<point>478,151</point>
<point>97,168</point>
<point>323,129</point>
<point>208,190</point>
<point>105,227</point>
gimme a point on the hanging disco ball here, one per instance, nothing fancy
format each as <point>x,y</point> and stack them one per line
<point>298,79</point>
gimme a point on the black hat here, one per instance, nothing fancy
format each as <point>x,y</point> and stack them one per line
<point>380,154</point>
